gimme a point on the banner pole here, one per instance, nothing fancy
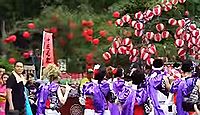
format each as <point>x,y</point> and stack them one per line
<point>42,54</point>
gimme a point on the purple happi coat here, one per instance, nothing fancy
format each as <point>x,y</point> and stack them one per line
<point>43,95</point>
<point>98,91</point>
<point>153,81</point>
<point>182,88</point>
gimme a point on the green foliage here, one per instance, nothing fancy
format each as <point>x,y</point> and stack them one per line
<point>5,63</point>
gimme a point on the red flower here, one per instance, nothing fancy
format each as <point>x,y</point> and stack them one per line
<point>11,60</point>
<point>95,41</point>
<point>116,14</point>
<point>90,32</point>
<point>54,30</point>
<point>26,34</point>
<point>70,36</point>
<point>31,26</point>
<point>102,33</point>
<point>110,38</point>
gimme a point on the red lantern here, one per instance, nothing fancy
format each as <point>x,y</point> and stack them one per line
<point>165,34</point>
<point>138,33</point>
<point>31,26</point>
<point>70,36</point>
<point>192,27</point>
<point>139,26</point>
<point>102,33</point>
<point>110,38</point>
<point>181,23</point>
<point>106,56</point>
<point>116,14</point>
<point>152,48</point>
<point>126,41</point>
<point>13,38</point>
<point>119,22</point>
<point>133,58</point>
<point>149,35</point>
<point>181,52</point>
<point>157,10</point>
<point>12,60</point>
<point>157,37</point>
<point>179,42</point>
<point>149,61</point>
<point>95,41</point>
<point>160,27</point>
<point>174,2</point>
<point>26,34</point>
<point>134,52</point>
<point>116,44</point>
<point>138,15</point>
<point>113,50</point>
<point>26,55</point>
<point>182,1</point>
<point>126,18</point>
<point>172,21</point>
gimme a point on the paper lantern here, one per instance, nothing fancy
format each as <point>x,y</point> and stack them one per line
<point>12,60</point>
<point>174,2</point>
<point>126,18</point>
<point>157,10</point>
<point>149,35</point>
<point>133,23</point>
<point>134,52</point>
<point>195,33</point>
<point>157,37</point>
<point>160,27</point>
<point>165,34</point>
<point>126,41</point>
<point>95,41</point>
<point>116,14</point>
<point>133,58</point>
<point>152,49</point>
<point>142,50</point>
<point>179,31</point>
<point>116,44</point>
<point>149,15</point>
<point>144,56</point>
<point>122,50</point>
<point>181,23</point>
<point>182,1</point>
<point>139,26</point>
<point>190,44</point>
<point>31,26</point>
<point>54,30</point>
<point>181,52</point>
<point>172,21</point>
<point>179,42</point>
<point>110,38</point>
<point>192,27</point>
<point>113,50</point>
<point>168,6</point>
<point>129,47</point>
<point>106,56</point>
<point>138,33</point>
<point>103,33</point>
<point>26,34</point>
<point>119,22</point>
<point>12,38</point>
<point>194,40</point>
<point>186,36</point>
<point>138,15</point>
<point>149,61</point>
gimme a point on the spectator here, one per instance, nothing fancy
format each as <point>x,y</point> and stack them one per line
<point>3,93</point>
<point>2,70</point>
<point>15,89</point>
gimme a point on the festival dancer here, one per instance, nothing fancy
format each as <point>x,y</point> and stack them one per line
<point>50,97</point>
<point>158,87</point>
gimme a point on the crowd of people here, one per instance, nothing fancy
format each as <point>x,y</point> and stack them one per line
<point>140,90</point>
